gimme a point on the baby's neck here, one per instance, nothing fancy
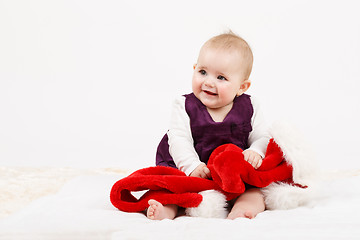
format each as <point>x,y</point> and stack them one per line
<point>219,114</point>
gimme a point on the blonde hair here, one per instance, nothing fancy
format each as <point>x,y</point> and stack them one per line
<point>232,42</point>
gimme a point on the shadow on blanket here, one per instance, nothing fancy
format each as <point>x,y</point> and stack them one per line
<point>229,171</point>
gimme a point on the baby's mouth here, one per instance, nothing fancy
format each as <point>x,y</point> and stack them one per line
<point>210,93</point>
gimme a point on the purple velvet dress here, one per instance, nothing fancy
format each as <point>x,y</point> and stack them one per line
<point>207,134</point>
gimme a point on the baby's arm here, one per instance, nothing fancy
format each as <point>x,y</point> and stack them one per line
<point>181,144</point>
<point>258,137</point>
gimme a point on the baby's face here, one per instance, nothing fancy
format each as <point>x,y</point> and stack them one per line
<point>218,77</point>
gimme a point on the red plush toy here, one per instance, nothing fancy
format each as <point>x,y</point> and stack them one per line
<point>229,173</point>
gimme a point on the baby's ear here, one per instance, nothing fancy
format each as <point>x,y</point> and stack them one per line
<point>245,85</point>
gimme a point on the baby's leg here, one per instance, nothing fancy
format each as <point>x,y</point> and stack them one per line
<point>157,211</point>
<point>248,205</point>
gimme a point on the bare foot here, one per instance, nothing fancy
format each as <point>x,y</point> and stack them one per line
<point>248,204</point>
<point>157,211</point>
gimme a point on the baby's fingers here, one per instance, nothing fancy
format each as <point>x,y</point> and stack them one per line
<point>207,172</point>
<point>258,163</point>
<point>250,158</point>
<point>254,163</point>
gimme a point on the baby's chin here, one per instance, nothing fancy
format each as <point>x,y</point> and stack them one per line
<point>216,104</point>
<point>210,103</point>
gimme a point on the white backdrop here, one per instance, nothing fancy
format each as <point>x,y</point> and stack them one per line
<point>90,83</point>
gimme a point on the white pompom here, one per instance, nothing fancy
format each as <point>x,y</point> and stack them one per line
<point>213,205</point>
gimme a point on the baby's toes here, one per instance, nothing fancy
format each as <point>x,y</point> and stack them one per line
<point>249,215</point>
<point>153,204</point>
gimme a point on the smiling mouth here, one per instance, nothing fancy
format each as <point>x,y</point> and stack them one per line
<point>210,93</point>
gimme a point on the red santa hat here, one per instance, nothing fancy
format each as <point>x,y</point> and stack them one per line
<point>285,177</point>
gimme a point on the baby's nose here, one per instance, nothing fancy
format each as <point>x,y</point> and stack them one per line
<point>209,81</point>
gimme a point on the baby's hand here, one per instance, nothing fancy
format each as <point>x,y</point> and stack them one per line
<point>253,158</point>
<point>201,171</point>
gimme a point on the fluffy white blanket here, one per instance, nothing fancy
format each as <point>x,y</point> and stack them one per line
<point>82,210</point>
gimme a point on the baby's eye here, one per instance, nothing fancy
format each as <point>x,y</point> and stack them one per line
<point>221,78</point>
<point>202,72</point>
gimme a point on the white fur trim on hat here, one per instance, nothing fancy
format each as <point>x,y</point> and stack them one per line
<point>213,205</point>
<point>299,154</point>
<point>285,196</point>
<point>297,151</point>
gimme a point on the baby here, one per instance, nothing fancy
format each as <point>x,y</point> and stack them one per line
<point>216,113</point>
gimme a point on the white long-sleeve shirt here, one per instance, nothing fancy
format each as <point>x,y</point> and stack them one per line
<point>181,143</point>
